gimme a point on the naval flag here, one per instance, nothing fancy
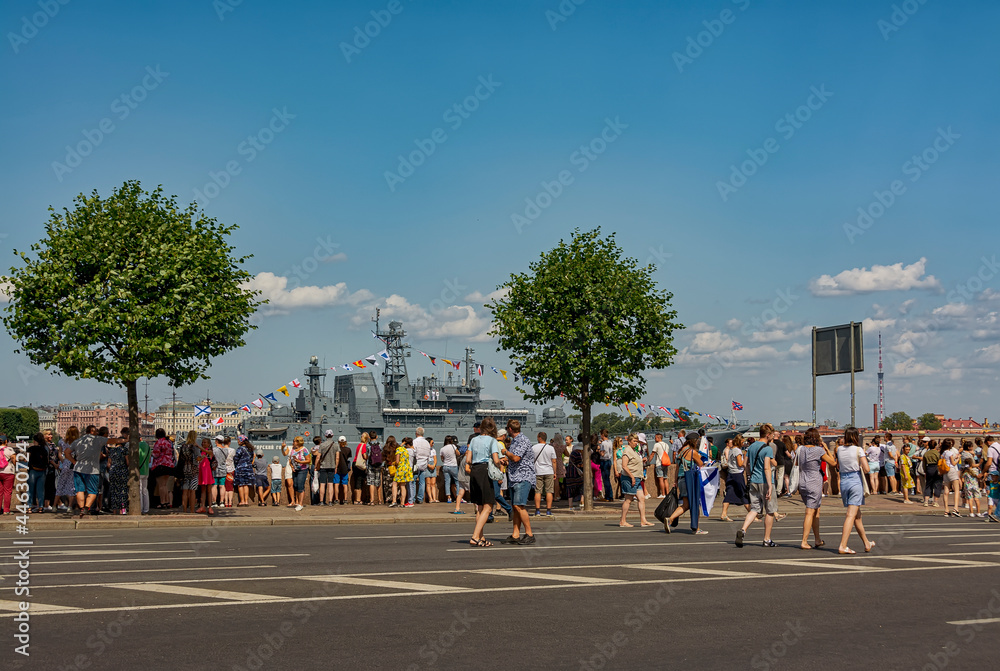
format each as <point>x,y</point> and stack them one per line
<point>219,421</point>
<point>479,369</point>
<point>372,360</point>
<point>295,384</point>
<point>259,403</point>
<point>245,408</point>
<point>283,389</point>
<point>200,410</point>
<point>271,397</point>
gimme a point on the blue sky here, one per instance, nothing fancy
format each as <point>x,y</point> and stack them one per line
<point>329,127</point>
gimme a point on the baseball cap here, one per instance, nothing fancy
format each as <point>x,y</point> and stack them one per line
<point>329,433</point>
<point>502,432</point>
<point>925,439</point>
<point>220,438</point>
<point>642,438</point>
<point>342,439</point>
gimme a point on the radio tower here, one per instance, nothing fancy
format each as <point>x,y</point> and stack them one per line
<point>881,385</point>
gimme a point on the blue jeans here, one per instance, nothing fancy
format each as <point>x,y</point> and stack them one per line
<point>450,475</point>
<point>36,488</point>
<point>609,494</point>
<point>411,487</point>
<point>500,499</point>
<point>421,476</point>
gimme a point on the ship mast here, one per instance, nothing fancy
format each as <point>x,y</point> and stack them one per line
<point>395,379</point>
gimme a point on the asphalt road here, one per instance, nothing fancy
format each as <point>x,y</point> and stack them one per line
<point>588,595</point>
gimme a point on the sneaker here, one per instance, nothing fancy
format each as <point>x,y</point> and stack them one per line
<point>489,519</point>
<point>538,513</point>
<point>298,507</point>
<point>448,500</point>
<point>527,540</point>
<point>407,505</point>
<point>548,513</point>
<point>510,540</point>
<point>48,509</point>
<point>768,543</point>
<point>992,518</point>
<point>393,504</point>
<point>740,534</point>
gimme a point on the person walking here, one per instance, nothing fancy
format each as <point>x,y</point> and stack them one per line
<point>948,466</point>
<point>484,449</point>
<point>736,481</point>
<point>809,457</point>
<point>521,479</point>
<point>629,470</point>
<point>854,465</point>
<point>689,463</point>
<point>763,497</point>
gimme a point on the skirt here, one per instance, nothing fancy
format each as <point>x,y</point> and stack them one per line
<point>481,486</point>
<point>736,490</point>
<point>852,489</point>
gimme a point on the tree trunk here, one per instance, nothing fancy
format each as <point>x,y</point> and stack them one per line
<point>134,493</point>
<point>588,473</point>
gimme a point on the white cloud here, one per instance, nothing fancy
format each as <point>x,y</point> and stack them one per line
<point>458,321</point>
<point>989,295</point>
<point>871,325</point>
<point>5,292</point>
<point>913,368</point>
<point>953,310</point>
<point>713,341</point>
<point>896,277</point>
<point>990,354</point>
<point>734,324</point>
<point>798,351</point>
<point>700,327</point>
<point>480,299</point>
<point>281,299</point>
<point>339,257</point>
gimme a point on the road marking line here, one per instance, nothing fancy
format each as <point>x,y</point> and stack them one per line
<point>147,559</point>
<point>517,573</point>
<point>693,569</point>
<point>197,591</point>
<point>807,563</point>
<point>971,534</point>
<point>146,570</point>
<point>41,552</point>
<point>990,620</point>
<point>389,584</point>
<point>938,560</point>
<point>464,591</point>
<point>958,545</point>
<point>115,545</point>
<point>33,608</point>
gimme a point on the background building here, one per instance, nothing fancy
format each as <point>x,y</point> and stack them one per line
<point>179,417</point>
<point>112,415</point>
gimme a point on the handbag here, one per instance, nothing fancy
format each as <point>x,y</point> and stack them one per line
<point>667,506</point>
<point>793,477</point>
<point>943,466</point>
<point>362,461</point>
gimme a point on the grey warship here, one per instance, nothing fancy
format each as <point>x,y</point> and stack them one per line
<point>358,405</point>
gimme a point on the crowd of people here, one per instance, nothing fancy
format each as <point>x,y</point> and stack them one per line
<point>502,471</point>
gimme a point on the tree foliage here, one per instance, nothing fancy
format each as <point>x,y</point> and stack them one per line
<point>621,425</point>
<point>587,321</point>
<point>130,286</point>
<point>18,422</point>
<point>928,422</point>
<point>897,421</point>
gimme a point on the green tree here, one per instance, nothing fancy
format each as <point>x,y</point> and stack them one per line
<point>126,287</point>
<point>897,421</point>
<point>18,422</point>
<point>586,322</point>
<point>928,422</point>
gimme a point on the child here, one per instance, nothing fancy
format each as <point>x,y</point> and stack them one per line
<point>206,476</point>
<point>275,471</point>
<point>970,484</point>
<point>994,500</point>
<point>906,466</point>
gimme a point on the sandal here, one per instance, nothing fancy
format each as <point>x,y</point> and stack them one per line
<point>647,524</point>
<point>847,551</point>
<point>483,543</point>
<point>626,526</point>
<point>726,519</point>
<point>870,546</point>
<point>819,545</point>
<point>473,542</point>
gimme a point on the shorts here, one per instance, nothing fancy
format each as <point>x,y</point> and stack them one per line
<point>275,486</point>
<point>262,481</point>
<point>661,471</point>
<point>545,484</point>
<point>88,483</point>
<point>628,488</point>
<point>344,479</point>
<point>327,476</point>
<point>519,493</point>
<point>219,482</point>
<point>372,476</point>
<point>190,483</point>
<point>758,502</point>
<point>299,480</point>
<point>161,471</point>
<point>890,470</point>
<point>996,504</point>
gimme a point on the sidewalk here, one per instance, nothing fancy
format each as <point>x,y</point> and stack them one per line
<point>424,513</point>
